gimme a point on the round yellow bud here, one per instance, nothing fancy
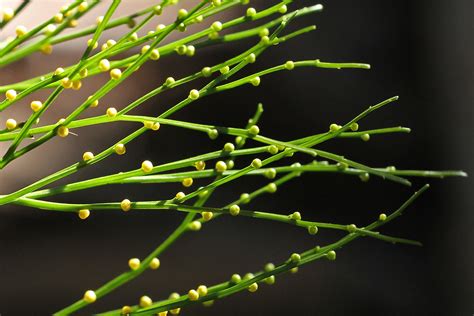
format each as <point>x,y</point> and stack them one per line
<point>154,263</point>
<point>90,297</point>
<point>87,156</point>
<point>134,263</point>
<point>115,74</point>
<point>63,131</point>
<point>120,149</point>
<point>21,30</point>
<point>10,124</point>
<point>84,213</point>
<point>145,301</point>
<point>147,166</point>
<point>111,112</point>
<point>104,65</point>
<point>187,182</point>
<point>126,205</point>
<point>193,295</point>
<point>36,106</point>
<point>10,94</point>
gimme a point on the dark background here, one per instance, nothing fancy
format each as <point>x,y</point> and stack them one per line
<point>420,50</point>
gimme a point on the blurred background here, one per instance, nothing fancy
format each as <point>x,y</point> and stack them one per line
<point>419,50</point>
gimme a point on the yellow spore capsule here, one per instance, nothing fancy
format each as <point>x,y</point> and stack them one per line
<point>126,205</point>
<point>154,264</point>
<point>115,74</point>
<point>134,263</point>
<point>84,213</point>
<point>63,131</point>
<point>21,30</point>
<point>10,94</point>
<point>11,124</point>
<point>87,156</point>
<point>111,112</point>
<point>145,301</point>
<point>120,149</point>
<point>187,182</point>
<point>36,106</point>
<point>147,166</point>
<point>89,296</point>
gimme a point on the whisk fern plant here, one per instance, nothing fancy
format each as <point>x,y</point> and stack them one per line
<point>270,159</point>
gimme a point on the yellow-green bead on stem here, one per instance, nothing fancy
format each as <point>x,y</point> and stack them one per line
<point>229,147</point>
<point>90,296</point>
<point>234,210</point>
<point>11,124</point>
<point>84,214</point>
<point>364,177</point>
<point>224,70</point>
<point>254,130</point>
<point>87,156</point>
<point>213,133</point>
<point>382,217</point>
<point>235,278</point>
<point>334,127</point>
<point>269,267</point>
<point>253,287</point>
<point>251,12</point>
<point>270,173</point>
<point>207,216</point>
<point>145,301</point>
<point>8,14</point>
<point>289,65</point>
<point>154,264</point>
<point>126,310</point>
<point>221,166</point>
<point>182,13</point>
<point>312,230</point>
<point>120,149</point>
<point>195,226</point>
<point>134,263</point>
<point>251,58</point>
<point>180,195</point>
<point>104,65</point>
<point>202,290</point>
<point>255,81</point>
<point>296,216</point>
<point>283,9</point>
<point>10,95</point>
<point>200,165</point>
<point>256,163</point>
<point>194,94</point>
<point>351,228</point>
<point>331,255</point>
<point>21,30</point>
<point>111,112</point>
<point>187,182</point>
<point>272,149</point>
<point>126,205</point>
<point>147,166</point>
<point>216,26</point>
<point>245,198</point>
<point>36,106</point>
<point>115,74</point>
<point>271,187</point>
<point>270,280</point>
<point>206,72</point>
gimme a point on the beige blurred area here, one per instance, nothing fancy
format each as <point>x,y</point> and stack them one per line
<point>59,153</point>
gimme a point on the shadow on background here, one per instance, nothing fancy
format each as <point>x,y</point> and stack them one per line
<point>419,50</point>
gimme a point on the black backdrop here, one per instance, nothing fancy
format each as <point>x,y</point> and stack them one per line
<point>420,50</point>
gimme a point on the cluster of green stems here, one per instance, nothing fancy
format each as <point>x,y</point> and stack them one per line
<point>270,151</point>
